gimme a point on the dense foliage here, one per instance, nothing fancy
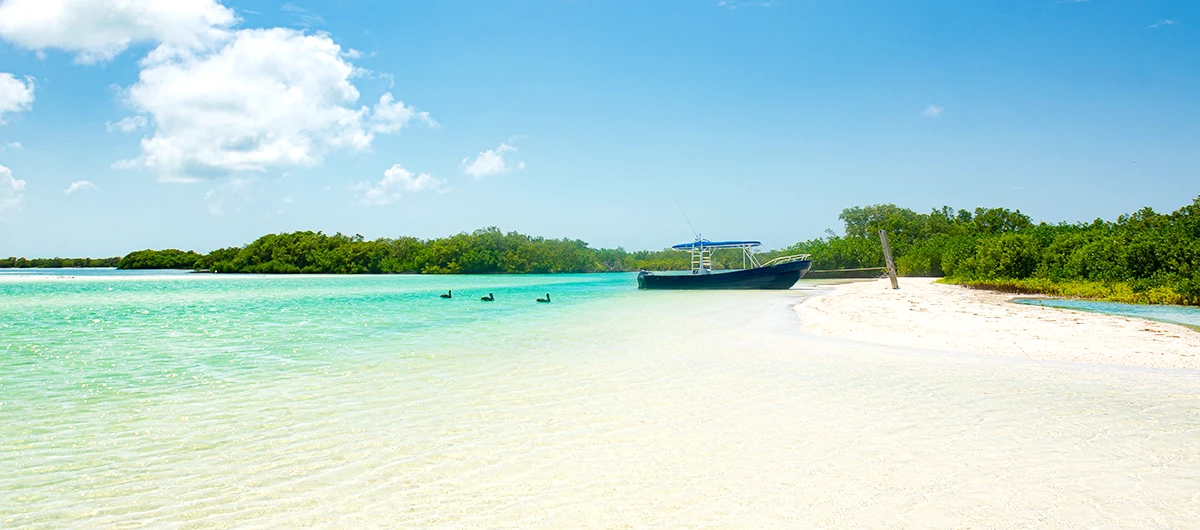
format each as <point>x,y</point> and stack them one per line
<point>46,263</point>
<point>1141,257</point>
<point>159,259</point>
<point>482,251</point>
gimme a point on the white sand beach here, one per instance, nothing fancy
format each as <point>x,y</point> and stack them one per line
<point>928,315</point>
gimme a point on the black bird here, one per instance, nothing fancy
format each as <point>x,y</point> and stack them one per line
<point>488,298</point>
<point>447,295</point>
<point>545,300</point>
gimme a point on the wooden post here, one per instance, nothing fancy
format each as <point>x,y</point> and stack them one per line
<point>887,255</point>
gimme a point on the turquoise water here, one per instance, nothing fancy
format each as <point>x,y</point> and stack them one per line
<point>216,401</point>
<point>122,333</point>
<point>1188,316</point>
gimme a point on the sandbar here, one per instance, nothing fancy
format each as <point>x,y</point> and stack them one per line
<point>923,314</point>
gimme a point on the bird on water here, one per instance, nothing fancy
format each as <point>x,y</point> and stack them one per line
<point>488,298</point>
<point>545,300</point>
<point>447,295</point>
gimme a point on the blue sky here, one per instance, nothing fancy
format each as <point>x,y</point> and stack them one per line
<point>199,124</point>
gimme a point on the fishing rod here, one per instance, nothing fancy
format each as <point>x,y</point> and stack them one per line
<point>685,217</point>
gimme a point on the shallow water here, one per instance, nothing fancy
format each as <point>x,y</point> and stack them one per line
<point>278,401</point>
<point>1188,316</point>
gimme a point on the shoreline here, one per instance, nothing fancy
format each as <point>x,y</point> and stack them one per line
<point>927,315</point>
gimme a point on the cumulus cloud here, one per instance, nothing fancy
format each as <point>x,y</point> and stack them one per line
<point>98,30</point>
<point>79,185</point>
<point>12,190</point>
<point>16,95</point>
<point>932,111</point>
<point>127,124</point>
<point>219,101</point>
<point>395,182</point>
<point>492,162</point>
<point>264,98</point>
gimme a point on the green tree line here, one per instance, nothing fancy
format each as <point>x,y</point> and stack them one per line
<point>1143,257</point>
<point>46,263</point>
<point>483,251</point>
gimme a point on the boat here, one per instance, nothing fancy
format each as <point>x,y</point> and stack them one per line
<point>778,273</point>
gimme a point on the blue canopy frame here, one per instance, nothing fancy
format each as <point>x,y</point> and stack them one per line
<point>716,244</point>
<point>701,250</point>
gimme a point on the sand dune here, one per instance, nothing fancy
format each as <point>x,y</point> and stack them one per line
<point>929,315</point>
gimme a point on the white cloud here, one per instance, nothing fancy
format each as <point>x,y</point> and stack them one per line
<point>932,111</point>
<point>227,195</point>
<point>492,162</point>
<point>79,185</point>
<point>734,4</point>
<point>11,192</point>
<point>264,98</point>
<point>127,124</point>
<point>1161,23</point>
<point>304,17</point>
<point>13,146</point>
<point>395,181</point>
<point>98,30</point>
<point>390,115</point>
<point>221,101</point>
<point>15,95</point>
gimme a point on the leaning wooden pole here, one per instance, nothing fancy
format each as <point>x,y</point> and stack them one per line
<point>887,255</point>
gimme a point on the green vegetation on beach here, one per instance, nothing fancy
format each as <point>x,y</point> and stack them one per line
<point>1081,289</point>
<point>1144,257</point>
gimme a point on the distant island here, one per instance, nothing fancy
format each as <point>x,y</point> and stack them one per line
<point>57,263</point>
<point>1143,257</point>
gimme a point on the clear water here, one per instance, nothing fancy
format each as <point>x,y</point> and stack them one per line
<point>215,401</point>
<point>1188,316</point>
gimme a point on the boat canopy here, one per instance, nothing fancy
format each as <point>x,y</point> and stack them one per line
<point>702,251</point>
<point>706,244</point>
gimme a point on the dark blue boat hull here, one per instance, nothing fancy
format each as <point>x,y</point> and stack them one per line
<point>781,276</point>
